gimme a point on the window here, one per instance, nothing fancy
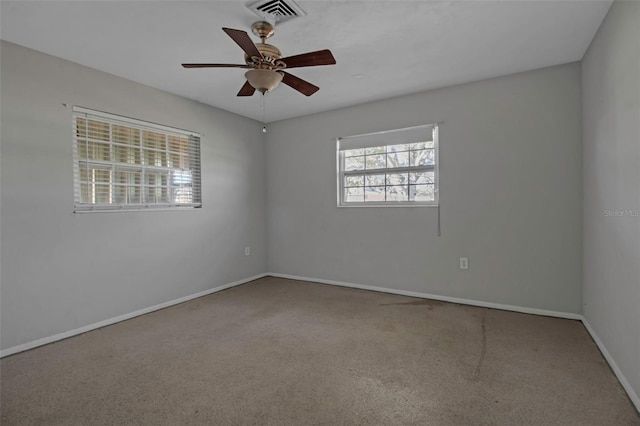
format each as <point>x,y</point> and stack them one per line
<point>392,168</point>
<point>122,163</point>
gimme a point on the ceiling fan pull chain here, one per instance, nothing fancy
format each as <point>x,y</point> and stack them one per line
<point>264,124</point>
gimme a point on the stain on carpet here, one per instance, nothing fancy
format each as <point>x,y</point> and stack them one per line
<point>483,348</point>
<point>430,304</point>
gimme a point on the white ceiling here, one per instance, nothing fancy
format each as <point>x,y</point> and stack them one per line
<point>397,47</point>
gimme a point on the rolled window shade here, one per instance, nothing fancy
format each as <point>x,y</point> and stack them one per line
<point>414,134</point>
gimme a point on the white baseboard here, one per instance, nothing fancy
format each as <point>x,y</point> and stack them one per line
<point>100,324</point>
<point>521,309</point>
<point>616,370</point>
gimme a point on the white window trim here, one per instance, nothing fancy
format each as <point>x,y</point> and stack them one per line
<point>341,173</point>
<point>79,207</point>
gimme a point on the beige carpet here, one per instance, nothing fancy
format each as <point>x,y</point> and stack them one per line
<point>283,352</point>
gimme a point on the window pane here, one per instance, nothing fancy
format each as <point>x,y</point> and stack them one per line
<point>181,178</point>
<point>424,157</point>
<point>155,179</point>
<point>398,159</point>
<point>162,195</point>
<point>126,135</point>
<point>354,152</point>
<point>422,177</point>
<point>119,194</point>
<point>173,160</point>
<point>417,146</point>
<point>178,161</point>
<point>376,150</point>
<point>354,194</point>
<point>155,195</point>
<point>135,195</point>
<point>127,177</point>
<point>374,193</point>
<point>397,178</point>
<point>397,193</point>
<point>398,148</point>
<point>376,180</point>
<point>98,151</point>
<point>421,192</point>
<point>431,156</point>
<point>123,154</point>
<point>101,194</point>
<point>153,140</point>
<point>101,176</point>
<point>98,130</point>
<point>154,158</point>
<point>354,163</point>
<point>350,181</point>
<point>131,195</point>
<point>181,195</point>
<point>178,144</point>
<point>376,161</point>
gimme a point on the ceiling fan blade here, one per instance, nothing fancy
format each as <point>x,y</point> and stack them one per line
<point>215,66</point>
<point>310,59</point>
<point>243,40</point>
<point>246,90</point>
<point>299,84</point>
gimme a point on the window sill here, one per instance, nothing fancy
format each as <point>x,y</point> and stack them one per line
<point>136,209</point>
<point>360,205</point>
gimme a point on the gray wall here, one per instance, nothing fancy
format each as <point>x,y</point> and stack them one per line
<point>511,180</point>
<point>611,128</point>
<point>61,270</point>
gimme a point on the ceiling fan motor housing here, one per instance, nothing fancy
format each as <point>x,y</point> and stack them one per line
<point>270,55</point>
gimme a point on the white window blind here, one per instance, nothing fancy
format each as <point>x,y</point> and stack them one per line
<point>393,168</point>
<point>123,163</point>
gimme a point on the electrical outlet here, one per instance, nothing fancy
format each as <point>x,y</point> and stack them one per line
<point>247,251</point>
<point>464,263</point>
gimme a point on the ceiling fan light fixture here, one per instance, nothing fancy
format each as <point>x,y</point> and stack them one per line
<point>263,80</point>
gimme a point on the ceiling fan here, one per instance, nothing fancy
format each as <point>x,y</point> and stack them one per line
<point>266,64</point>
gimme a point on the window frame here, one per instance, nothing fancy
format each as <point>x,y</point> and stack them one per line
<point>341,173</point>
<point>113,167</point>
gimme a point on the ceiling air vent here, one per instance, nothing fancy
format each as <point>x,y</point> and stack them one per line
<point>276,10</point>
